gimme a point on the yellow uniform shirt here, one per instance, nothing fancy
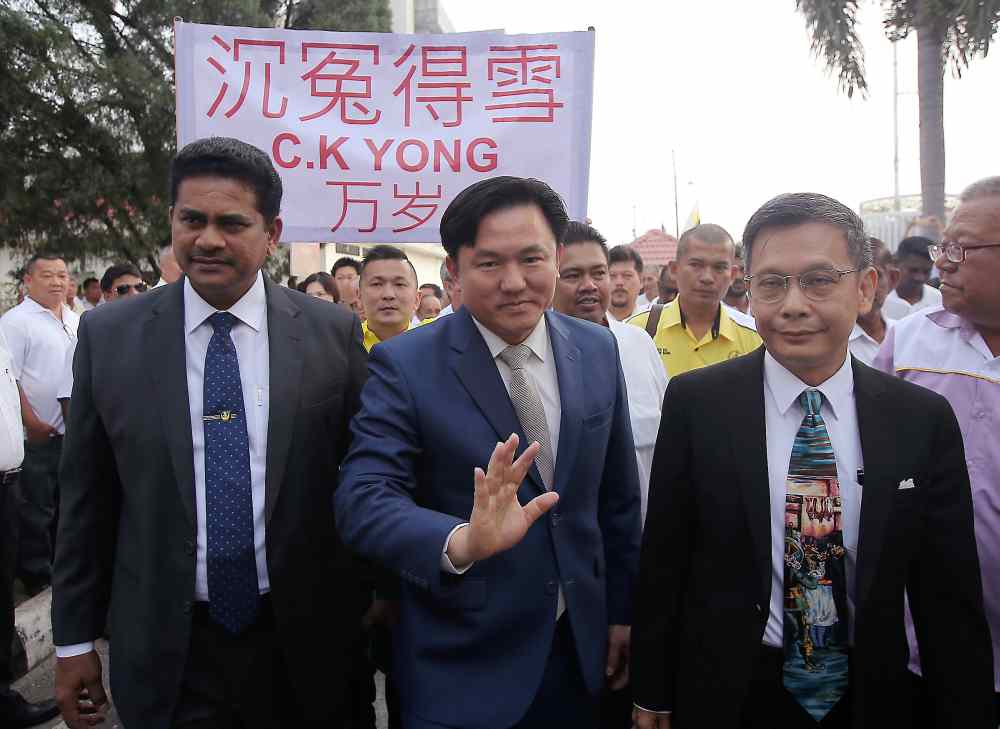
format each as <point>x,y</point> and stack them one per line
<point>681,351</point>
<point>371,338</point>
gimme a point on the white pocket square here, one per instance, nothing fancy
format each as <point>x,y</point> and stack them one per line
<point>907,484</point>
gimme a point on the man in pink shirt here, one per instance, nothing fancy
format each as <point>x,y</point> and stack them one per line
<point>955,351</point>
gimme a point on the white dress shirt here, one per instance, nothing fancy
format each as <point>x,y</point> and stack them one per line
<point>38,343</point>
<point>896,307</point>
<point>646,383</point>
<point>65,390</point>
<point>446,311</point>
<point>783,417</point>
<point>862,345</point>
<point>11,430</point>
<point>249,336</point>
<point>540,370</point>
<point>251,340</point>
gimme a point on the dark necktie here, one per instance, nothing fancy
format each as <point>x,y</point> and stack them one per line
<point>815,670</point>
<point>232,569</point>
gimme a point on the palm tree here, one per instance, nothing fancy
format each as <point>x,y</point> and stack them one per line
<point>948,32</point>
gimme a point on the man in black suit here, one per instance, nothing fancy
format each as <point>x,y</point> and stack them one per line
<point>785,529</point>
<point>201,456</point>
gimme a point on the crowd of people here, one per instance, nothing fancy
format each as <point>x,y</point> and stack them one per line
<point>756,487</point>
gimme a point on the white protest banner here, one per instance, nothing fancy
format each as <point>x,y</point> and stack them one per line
<point>373,134</point>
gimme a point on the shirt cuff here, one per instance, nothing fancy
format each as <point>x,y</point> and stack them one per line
<point>77,649</point>
<point>650,711</point>
<point>446,565</point>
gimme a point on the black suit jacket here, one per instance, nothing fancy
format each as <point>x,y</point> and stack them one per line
<point>127,524</point>
<point>705,576</point>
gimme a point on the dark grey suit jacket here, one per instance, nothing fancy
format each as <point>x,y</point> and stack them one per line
<point>127,524</point>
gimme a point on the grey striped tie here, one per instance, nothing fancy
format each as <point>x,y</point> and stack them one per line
<point>530,412</point>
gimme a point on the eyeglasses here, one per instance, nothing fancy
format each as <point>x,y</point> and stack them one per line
<point>818,285</point>
<point>955,252</point>
<point>125,288</point>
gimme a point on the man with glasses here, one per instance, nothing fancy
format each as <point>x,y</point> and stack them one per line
<point>695,329</point>
<point>39,330</point>
<point>955,351</point>
<point>785,527</point>
<point>120,280</point>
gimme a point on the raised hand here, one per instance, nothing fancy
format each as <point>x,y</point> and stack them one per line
<point>498,520</point>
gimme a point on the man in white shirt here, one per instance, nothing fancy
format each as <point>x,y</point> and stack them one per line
<point>871,327</point>
<point>39,330</point>
<point>14,710</point>
<point>650,286</point>
<point>511,615</point>
<point>584,291</point>
<point>912,292</point>
<point>626,282</point>
<point>199,469</point>
<point>91,293</point>
<point>786,526</point>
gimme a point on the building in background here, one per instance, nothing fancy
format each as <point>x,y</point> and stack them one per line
<point>889,225</point>
<point>656,246</point>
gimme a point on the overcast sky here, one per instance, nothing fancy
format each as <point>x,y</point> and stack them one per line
<point>731,85</point>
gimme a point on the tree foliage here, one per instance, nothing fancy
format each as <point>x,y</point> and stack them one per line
<point>965,27</point>
<point>87,113</point>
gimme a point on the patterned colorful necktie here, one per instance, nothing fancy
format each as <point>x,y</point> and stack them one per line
<point>815,669</point>
<point>232,568</point>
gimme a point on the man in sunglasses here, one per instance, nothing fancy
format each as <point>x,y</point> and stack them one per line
<point>122,279</point>
<point>954,350</point>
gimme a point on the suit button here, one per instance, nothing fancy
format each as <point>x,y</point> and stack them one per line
<point>551,587</point>
<point>189,546</point>
<point>758,607</point>
<point>555,518</point>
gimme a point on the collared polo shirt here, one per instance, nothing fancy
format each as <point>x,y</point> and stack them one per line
<point>944,352</point>
<point>371,338</point>
<point>681,351</point>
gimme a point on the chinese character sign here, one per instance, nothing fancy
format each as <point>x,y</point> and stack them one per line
<point>373,134</point>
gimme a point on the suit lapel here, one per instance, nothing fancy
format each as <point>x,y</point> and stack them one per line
<point>876,430</point>
<point>284,333</point>
<point>749,446</point>
<point>164,345</point>
<point>569,372</point>
<point>478,373</point>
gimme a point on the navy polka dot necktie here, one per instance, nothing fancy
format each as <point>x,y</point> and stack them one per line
<point>232,568</point>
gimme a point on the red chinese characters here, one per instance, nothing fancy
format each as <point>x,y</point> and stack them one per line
<point>336,78</point>
<point>347,201</point>
<point>247,45</point>
<point>524,76</point>
<point>442,82</point>
<point>411,204</point>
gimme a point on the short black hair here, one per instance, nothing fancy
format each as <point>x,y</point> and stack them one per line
<point>385,252</point>
<point>433,287</point>
<point>460,222</point>
<point>232,159</point>
<point>577,232</point>
<point>707,233</point>
<point>881,255</point>
<point>626,254</point>
<point>89,280</point>
<point>915,245</point>
<point>798,208</point>
<point>346,262</point>
<point>325,280</point>
<point>41,257</point>
<point>116,271</point>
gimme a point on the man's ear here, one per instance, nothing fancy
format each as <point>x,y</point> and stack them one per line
<point>867,285</point>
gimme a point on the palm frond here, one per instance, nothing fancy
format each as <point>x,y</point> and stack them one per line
<point>832,26</point>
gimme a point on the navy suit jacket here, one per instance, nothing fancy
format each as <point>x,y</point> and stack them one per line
<point>470,649</point>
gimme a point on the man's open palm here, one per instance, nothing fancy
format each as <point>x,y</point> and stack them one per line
<point>498,520</point>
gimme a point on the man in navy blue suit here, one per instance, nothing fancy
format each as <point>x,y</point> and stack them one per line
<point>511,615</point>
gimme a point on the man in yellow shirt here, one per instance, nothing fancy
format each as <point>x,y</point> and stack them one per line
<point>695,329</point>
<point>388,291</point>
